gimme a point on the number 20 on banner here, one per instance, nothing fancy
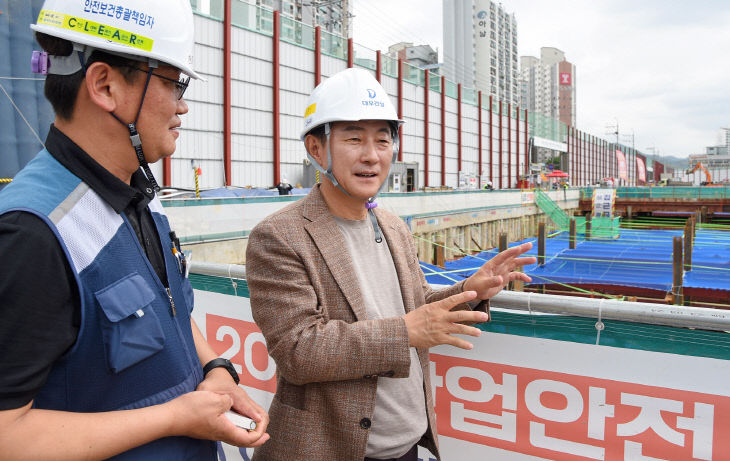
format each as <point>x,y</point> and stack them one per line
<point>243,344</point>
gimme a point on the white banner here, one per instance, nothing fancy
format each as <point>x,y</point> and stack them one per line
<point>603,201</point>
<point>523,398</point>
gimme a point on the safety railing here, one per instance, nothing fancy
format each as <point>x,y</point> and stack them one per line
<point>606,309</point>
<point>364,57</point>
<point>413,74</point>
<point>666,192</point>
<point>601,226</point>
<point>550,208</point>
<point>295,32</point>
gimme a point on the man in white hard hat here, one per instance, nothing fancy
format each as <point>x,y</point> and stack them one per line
<point>100,356</point>
<point>337,291</point>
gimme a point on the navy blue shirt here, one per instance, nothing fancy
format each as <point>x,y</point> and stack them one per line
<point>40,310</point>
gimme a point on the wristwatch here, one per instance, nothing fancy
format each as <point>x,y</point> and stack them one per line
<point>221,362</point>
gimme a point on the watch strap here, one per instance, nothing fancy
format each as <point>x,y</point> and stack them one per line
<point>221,362</point>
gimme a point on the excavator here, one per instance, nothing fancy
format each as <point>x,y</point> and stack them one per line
<point>708,176</point>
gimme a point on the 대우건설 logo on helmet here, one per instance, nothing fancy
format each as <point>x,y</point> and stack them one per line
<point>372,102</point>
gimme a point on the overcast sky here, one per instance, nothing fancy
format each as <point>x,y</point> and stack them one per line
<point>659,68</point>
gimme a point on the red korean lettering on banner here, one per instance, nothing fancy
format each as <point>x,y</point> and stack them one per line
<point>243,344</point>
<point>571,417</point>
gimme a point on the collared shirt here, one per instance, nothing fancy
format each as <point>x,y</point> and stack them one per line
<point>40,309</point>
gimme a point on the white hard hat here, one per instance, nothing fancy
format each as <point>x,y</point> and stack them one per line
<point>159,30</point>
<point>350,95</point>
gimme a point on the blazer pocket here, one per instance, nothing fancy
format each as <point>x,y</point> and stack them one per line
<point>130,327</point>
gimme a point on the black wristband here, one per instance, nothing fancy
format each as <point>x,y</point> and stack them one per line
<point>221,362</point>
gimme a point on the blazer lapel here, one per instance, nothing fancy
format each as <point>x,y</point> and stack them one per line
<point>323,230</point>
<point>397,246</point>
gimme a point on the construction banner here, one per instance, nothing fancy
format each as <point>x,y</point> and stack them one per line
<point>530,394</point>
<point>603,202</point>
<point>621,159</point>
<point>640,170</point>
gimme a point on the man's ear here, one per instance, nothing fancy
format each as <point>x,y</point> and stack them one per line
<point>315,148</point>
<point>103,85</point>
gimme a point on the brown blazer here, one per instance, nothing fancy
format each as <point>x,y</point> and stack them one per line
<point>306,299</point>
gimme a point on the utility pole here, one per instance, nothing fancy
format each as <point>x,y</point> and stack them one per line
<point>631,137</point>
<point>613,130</point>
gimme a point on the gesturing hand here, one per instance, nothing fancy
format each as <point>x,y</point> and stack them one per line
<point>433,324</point>
<point>496,273</point>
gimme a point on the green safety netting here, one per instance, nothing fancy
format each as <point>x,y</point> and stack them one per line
<point>601,227</point>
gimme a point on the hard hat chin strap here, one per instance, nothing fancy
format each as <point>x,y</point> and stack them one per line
<point>44,63</point>
<point>134,135</point>
<point>370,204</point>
<point>66,65</point>
<point>328,172</point>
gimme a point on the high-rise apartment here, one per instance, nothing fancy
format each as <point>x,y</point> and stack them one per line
<point>480,47</point>
<point>547,85</point>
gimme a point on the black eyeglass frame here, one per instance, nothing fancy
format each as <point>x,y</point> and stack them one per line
<point>181,85</point>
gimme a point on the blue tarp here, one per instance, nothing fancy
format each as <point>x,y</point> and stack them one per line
<point>437,276</point>
<point>467,265</point>
<point>710,261</point>
<point>639,258</point>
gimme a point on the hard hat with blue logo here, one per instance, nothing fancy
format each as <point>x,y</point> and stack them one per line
<point>349,96</point>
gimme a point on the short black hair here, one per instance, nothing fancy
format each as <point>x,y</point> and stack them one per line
<point>318,132</point>
<point>63,90</point>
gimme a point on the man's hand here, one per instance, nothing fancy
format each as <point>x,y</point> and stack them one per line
<point>201,415</point>
<point>433,324</point>
<point>496,273</point>
<point>218,380</point>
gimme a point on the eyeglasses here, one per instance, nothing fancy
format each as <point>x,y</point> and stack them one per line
<point>180,85</point>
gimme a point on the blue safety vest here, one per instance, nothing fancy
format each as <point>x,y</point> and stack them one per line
<point>135,346</point>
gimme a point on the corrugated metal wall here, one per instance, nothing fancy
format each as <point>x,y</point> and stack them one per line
<point>252,118</point>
